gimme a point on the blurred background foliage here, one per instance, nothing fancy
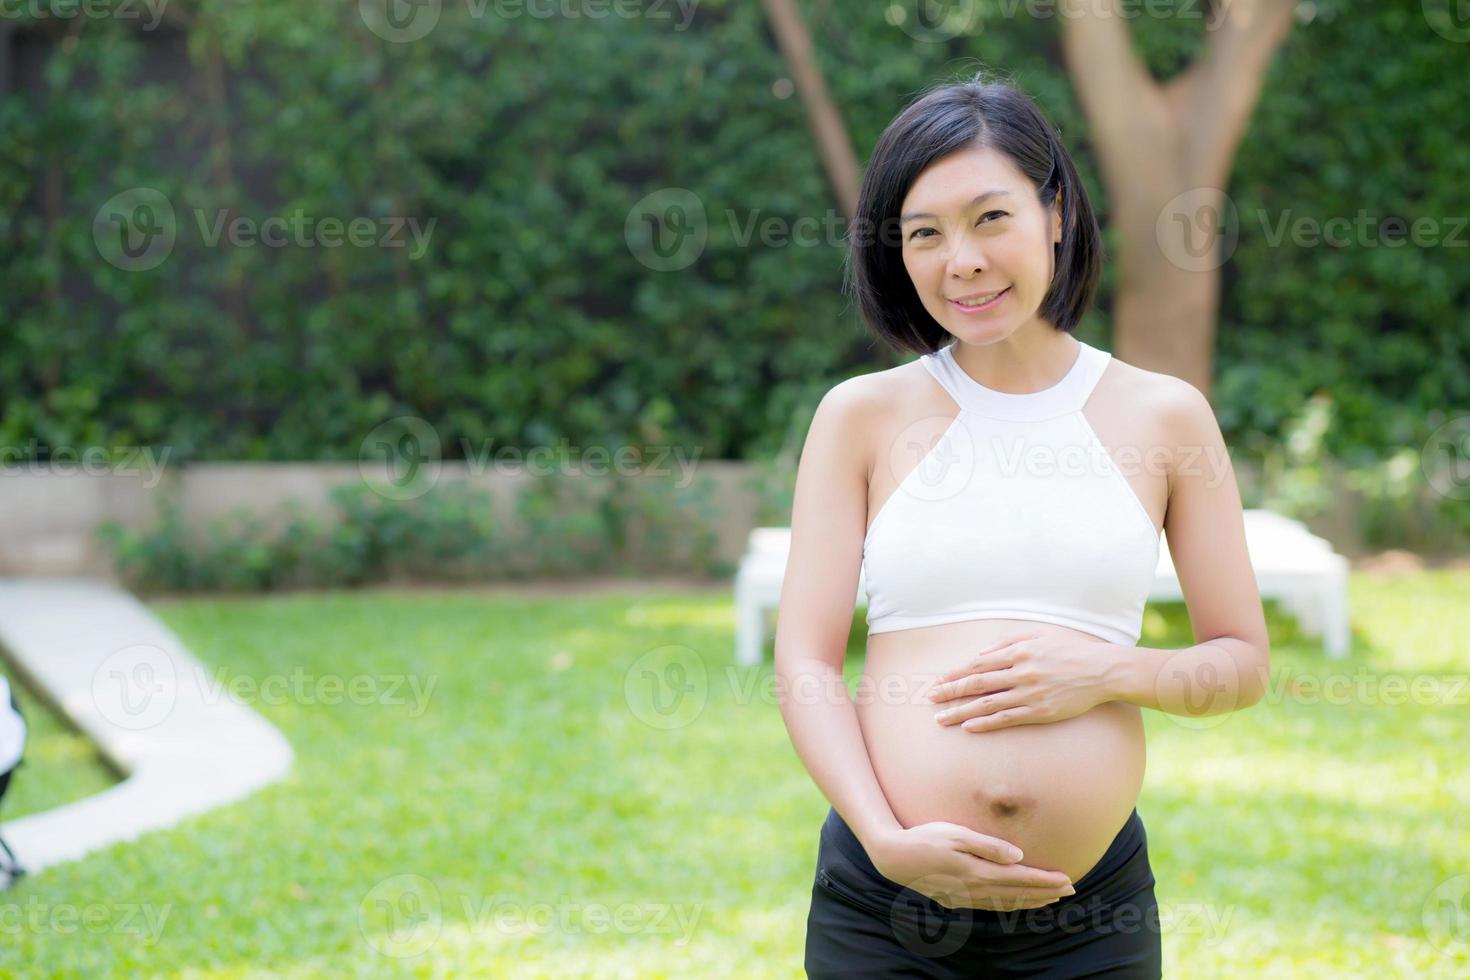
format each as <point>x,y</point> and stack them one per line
<point>529,140</point>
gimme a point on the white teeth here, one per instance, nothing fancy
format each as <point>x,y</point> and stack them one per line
<point>979,302</point>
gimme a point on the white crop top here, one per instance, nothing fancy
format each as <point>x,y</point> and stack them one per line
<point>1017,512</point>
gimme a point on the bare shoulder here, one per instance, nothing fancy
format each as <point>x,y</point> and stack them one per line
<point>1181,422</point>
<point>1178,405</point>
<point>856,416</point>
<point>875,390</point>
<point>855,408</point>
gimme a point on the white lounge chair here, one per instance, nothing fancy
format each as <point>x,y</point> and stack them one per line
<point>1294,566</point>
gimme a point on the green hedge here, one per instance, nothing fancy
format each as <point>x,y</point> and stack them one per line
<point>446,532</point>
<point>528,140</point>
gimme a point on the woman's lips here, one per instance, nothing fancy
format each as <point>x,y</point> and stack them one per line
<point>982,307</point>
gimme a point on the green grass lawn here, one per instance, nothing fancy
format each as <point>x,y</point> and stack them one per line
<point>539,806</point>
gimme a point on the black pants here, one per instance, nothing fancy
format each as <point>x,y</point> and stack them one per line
<point>862,924</point>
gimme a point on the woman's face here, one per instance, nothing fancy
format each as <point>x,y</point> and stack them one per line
<point>956,246</point>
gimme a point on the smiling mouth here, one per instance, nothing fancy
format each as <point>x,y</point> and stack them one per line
<point>981,303</point>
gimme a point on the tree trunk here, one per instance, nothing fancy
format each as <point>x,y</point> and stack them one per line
<point>1166,152</point>
<point>833,144</point>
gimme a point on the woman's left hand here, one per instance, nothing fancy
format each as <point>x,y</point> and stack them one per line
<point>1029,679</point>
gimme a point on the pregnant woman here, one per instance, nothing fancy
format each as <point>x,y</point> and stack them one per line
<point>1004,495</point>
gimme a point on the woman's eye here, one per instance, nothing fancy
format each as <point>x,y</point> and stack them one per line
<point>919,232</point>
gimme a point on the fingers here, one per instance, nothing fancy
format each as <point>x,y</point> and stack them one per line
<point>990,848</point>
<point>969,666</point>
<point>992,720</point>
<point>986,704</point>
<point>1021,876</point>
<point>973,684</point>
<point>1009,873</point>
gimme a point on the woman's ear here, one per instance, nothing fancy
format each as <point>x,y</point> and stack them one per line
<point>1056,219</point>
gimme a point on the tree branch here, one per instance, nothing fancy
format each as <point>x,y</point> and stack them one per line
<point>1218,92</point>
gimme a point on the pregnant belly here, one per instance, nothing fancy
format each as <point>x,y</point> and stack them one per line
<point>1059,791</point>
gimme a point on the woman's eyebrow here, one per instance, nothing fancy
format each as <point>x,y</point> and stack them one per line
<point>976,200</point>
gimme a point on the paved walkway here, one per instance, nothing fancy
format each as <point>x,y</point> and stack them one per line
<point>127,682</point>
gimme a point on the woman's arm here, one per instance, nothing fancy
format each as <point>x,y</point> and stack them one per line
<point>1229,668</point>
<point>828,521</point>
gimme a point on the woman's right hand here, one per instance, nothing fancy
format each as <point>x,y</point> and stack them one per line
<point>963,868</point>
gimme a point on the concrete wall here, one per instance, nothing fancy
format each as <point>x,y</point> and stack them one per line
<point>49,515</point>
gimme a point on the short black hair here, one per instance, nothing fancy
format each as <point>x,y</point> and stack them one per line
<point>979,112</point>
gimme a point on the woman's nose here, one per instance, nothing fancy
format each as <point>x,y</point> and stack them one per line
<point>968,258</point>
